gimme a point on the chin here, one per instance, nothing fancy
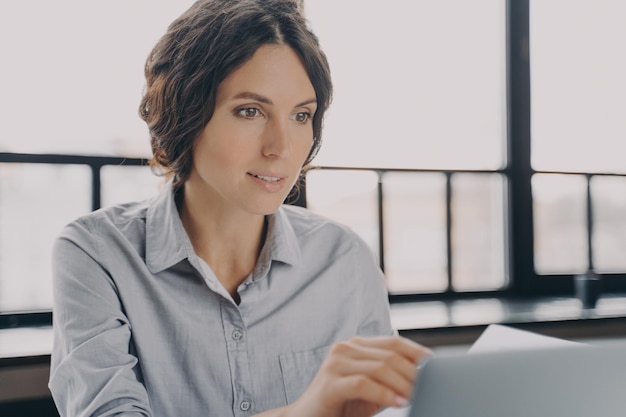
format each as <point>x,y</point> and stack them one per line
<point>266,208</point>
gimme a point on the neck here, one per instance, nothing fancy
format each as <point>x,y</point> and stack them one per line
<point>229,241</point>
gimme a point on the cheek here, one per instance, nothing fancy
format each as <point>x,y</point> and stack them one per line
<point>217,146</point>
<point>304,148</point>
<point>214,161</point>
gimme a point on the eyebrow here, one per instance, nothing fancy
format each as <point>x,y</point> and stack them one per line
<point>262,99</point>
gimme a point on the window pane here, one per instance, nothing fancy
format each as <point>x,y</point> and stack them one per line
<point>415,232</point>
<point>349,197</point>
<point>609,224</point>
<point>578,85</point>
<point>478,246</point>
<point>78,71</point>
<point>122,184</point>
<point>559,223</point>
<point>36,201</point>
<point>413,80</point>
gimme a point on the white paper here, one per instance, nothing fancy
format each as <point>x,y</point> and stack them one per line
<point>497,337</point>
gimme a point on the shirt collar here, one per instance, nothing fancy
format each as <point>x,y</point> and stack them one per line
<point>167,242</point>
<point>282,242</point>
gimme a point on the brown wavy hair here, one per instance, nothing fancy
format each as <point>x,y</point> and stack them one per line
<point>199,50</point>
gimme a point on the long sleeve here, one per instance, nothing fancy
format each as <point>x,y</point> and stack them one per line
<point>93,372</point>
<point>373,300</point>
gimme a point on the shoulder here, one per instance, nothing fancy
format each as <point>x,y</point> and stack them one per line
<point>124,219</point>
<point>306,222</point>
<point>312,229</point>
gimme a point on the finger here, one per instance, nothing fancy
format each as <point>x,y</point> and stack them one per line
<point>356,358</point>
<point>403,346</point>
<point>378,372</point>
<point>408,349</point>
<point>383,366</point>
<point>395,379</point>
<point>359,387</point>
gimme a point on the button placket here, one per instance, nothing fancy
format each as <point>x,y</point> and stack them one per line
<point>235,335</point>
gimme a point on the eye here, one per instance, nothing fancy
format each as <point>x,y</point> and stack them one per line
<point>248,112</point>
<point>302,117</point>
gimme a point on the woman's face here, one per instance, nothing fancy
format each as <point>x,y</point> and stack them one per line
<point>251,152</point>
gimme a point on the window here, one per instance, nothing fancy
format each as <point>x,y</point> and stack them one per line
<point>578,129</point>
<point>75,77</point>
<point>426,92</point>
<point>73,87</point>
<point>36,201</point>
<point>465,175</point>
<point>418,84</point>
<point>578,85</point>
<point>435,235</point>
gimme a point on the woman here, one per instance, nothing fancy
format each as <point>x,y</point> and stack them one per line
<point>214,299</point>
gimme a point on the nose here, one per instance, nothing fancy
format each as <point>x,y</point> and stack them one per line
<point>276,140</point>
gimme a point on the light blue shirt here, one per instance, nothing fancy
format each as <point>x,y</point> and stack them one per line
<point>142,326</point>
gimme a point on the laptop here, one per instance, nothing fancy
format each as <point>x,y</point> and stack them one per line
<point>565,381</point>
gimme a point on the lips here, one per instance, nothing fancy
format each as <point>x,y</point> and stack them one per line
<point>266,178</point>
<point>269,181</point>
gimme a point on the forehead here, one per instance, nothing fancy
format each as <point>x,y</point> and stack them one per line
<point>273,71</point>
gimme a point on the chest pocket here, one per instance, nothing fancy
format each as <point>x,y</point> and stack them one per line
<point>298,370</point>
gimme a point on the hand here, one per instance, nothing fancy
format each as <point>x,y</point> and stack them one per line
<point>360,376</point>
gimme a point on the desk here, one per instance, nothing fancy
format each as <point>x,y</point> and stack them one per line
<point>25,352</point>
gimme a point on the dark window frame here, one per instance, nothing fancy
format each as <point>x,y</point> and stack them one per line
<point>524,280</point>
<point>95,163</point>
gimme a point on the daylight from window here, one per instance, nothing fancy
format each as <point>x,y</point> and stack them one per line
<point>578,125</point>
<point>420,85</point>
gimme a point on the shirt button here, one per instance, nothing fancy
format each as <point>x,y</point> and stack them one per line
<point>245,406</point>
<point>237,335</point>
